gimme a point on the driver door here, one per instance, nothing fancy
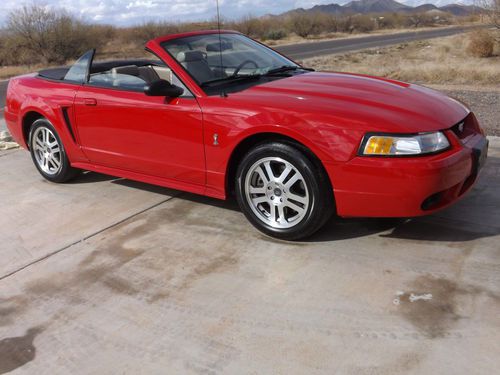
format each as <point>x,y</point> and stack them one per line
<point>120,127</point>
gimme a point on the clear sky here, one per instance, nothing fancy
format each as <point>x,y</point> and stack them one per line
<point>129,12</point>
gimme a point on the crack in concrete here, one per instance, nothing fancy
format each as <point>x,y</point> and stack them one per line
<point>47,256</point>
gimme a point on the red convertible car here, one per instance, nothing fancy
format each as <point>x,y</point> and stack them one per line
<point>218,113</point>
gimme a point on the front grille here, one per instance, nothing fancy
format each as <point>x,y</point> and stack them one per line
<point>467,127</point>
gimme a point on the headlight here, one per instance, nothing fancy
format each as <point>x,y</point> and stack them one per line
<point>393,145</point>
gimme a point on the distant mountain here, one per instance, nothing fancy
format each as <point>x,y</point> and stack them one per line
<point>424,8</point>
<point>389,6</point>
<point>460,10</point>
<point>374,6</point>
<point>329,8</point>
<point>437,3</point>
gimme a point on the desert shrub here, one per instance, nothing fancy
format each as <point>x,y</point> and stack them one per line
<point>302,24</point>
<point>275,34</point>
<point>420,20</point>
<point>36,34</point>
<point>481,44</point>
<point>363,23</point>
<point>323,23</point>
<point>149,30</point>
<point>250,26</point>
<point>345,24</point>
<point>389,21</point>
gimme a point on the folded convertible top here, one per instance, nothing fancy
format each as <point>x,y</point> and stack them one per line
<point>54,73</point>
<point>97,67</point>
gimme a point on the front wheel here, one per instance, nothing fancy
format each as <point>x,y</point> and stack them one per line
<point>282,192</point>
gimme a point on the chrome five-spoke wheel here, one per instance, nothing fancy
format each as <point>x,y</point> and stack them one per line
<point>277,193</point>
<point>47,150</point>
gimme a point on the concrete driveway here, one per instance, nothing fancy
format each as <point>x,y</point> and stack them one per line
<point>108,276</point>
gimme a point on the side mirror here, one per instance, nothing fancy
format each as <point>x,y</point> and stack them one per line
<point>163,88</point>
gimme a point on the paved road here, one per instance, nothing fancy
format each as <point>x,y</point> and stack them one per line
<point>314,49</point>
<point>104,276</point>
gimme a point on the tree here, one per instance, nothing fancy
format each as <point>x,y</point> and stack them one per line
<point>492,11</point>
<point>44,36</point>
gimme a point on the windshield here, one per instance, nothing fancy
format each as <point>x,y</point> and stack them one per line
<point>213,59</point>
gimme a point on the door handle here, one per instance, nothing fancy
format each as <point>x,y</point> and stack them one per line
<point>89,101</point>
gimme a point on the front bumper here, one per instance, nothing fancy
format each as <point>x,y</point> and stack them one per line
<point>410,186</point>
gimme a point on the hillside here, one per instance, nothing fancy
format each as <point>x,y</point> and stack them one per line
<point>386,6</point>
<point>374,6</point>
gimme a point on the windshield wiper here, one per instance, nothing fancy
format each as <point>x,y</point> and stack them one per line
<point>286,68</point>
<point>282,69</point>
<point>231,79</point>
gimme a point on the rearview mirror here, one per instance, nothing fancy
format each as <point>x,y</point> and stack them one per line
<point>163,88</point>
<point>218,47</point>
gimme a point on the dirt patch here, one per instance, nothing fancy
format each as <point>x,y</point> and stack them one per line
<point>435,313</point>
<point>10,308</point>
<point>136,259</point>
<point>432,304</point>
<point>15,352</point>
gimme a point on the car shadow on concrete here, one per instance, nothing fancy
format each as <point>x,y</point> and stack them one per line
<point>418,229</point>
<point>88,177</point>
<point>426,228</point>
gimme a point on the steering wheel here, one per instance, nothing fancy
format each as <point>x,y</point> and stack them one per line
<point>246,62</point>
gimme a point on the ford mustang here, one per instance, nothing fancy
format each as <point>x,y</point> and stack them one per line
<point>220,114</point>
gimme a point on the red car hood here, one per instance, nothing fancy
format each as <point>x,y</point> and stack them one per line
<point>364,102</point>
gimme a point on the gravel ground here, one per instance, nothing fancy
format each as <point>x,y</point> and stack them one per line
<point>485,104</point>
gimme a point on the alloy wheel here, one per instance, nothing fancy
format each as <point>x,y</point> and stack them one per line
<point>277,192</point>
<point>47,151</point>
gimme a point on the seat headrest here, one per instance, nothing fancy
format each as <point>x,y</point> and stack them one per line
<point>188,56</point>
<point>131,70</point>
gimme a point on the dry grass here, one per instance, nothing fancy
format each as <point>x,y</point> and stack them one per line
<point>11,71</point>
<point>437,61</point>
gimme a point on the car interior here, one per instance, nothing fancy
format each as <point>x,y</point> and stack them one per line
<point>121,74</point>
<point>211,59</point>
<point>131,76</point>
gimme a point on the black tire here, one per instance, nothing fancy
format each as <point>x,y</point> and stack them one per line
<point>320,199</point>
<point>65,172</point>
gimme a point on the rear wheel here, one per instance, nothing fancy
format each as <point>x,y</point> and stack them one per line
<point>48,153</point>
<point>282,192</point>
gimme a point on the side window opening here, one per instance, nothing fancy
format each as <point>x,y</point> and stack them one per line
<point>133,75</point>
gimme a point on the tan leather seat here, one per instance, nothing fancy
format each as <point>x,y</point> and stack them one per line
<point>196,64</point>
